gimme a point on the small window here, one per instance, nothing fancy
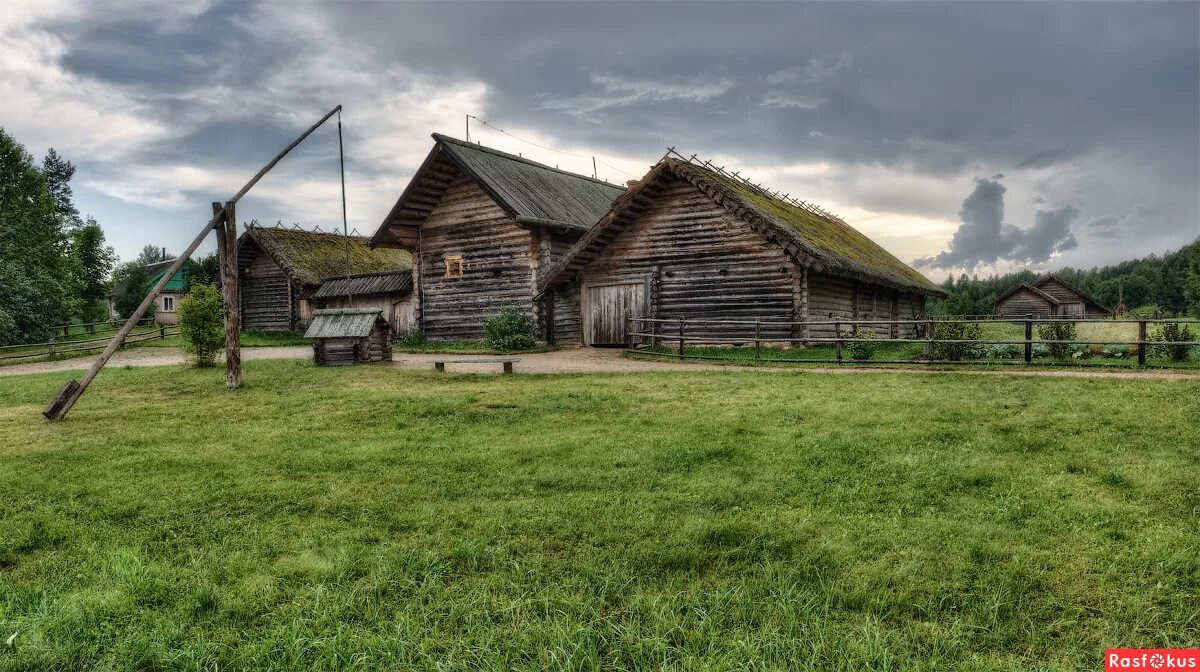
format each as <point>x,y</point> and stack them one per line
<point>454,266</point>
<point>168,304</point>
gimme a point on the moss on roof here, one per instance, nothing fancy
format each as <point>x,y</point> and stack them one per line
<point>838,245</point>
<point>311,258</point>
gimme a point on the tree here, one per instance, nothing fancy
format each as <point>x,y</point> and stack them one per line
<point>33,278</point>
<point>58,173</point>
<point>1192,284</point>
<point>203,271</point>
<point>202,324</point>
<point>91,261</point>
<point>152,254</point>
<point>137,286</point>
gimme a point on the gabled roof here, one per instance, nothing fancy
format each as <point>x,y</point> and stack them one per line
<point>531,193</point>
<point>343,323</point>
<point>1053,301</point>
<point>820,241</point>
<point>1083,295</point>
<point>310,258</point>
<point>367,283</point>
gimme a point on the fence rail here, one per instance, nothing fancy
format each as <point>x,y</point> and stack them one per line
<point>675,330</point>
<point>53,348</point>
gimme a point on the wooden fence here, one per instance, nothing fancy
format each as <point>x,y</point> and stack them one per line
<point>54,347</point>
<point>683,332</point>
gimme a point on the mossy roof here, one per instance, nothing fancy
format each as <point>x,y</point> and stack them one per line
<point>310,257</point>
<point>840,247</point>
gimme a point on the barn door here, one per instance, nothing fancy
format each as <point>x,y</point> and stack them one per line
<point>606,308</point>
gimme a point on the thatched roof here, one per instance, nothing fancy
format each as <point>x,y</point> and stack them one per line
<point>531,193</point>
<point>824,242</point>
<point>367,283</point>
<point>310,258</point>
<point>343,323</point>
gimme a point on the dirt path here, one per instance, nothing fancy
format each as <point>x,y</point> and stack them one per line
<point>571,360</point>
<point>149,357</point>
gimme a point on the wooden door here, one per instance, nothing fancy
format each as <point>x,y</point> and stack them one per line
<point>605,309</point>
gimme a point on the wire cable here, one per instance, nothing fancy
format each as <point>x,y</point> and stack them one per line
<point>549,149</point>
<point>345,225</point>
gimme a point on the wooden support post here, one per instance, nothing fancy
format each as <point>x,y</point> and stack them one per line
<point>1141,342</point>
<point>508,367</point>
<point>929,339</point>
<point>654,332</point>
<point>681,338</point>
<point>66,331</point>
<point>162,332</point>
<point>757,339</point>
<point>439,366</point>
<point>1028,338</point>
<point>50,353</point>
<point>233,327</point>
<point>837,333</point>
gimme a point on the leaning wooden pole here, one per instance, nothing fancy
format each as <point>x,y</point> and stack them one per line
<point>72,390</point>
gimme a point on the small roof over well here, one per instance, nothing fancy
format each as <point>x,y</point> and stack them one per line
<point>366,283</point>
<point>827,243</point>
<point>312,257</point>
<point>531,193</point>
<point>343,323</point>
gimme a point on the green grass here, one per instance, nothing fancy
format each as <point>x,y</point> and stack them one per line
<point>371,518</point>
<point>250,339</point>
<point>464,348</point>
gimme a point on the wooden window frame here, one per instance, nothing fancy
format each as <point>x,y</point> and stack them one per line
<point>455,266</point>
<point>168,304</point>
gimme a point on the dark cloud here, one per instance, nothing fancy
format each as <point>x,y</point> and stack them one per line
<point>1043,159</point>
<point>984,238</point>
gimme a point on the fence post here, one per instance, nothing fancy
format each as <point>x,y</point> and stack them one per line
<point>654,332</point>
<point>837,332</point>
<point>1141,342</point>
<point>681,338</point>
<point>50,352</point>
<point>162,331</point>
<point>929,338</point>
<point>1028,338</point>
<point>92,328</point>
<point>757,339</point>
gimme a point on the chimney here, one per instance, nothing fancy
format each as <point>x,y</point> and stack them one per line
<point>630,184</point>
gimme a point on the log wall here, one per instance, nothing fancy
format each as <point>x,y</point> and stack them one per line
<point>497,259</point>
<point>268,297</point>
<point>1021,303</point>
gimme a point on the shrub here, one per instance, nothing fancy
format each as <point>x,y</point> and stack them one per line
<point>1058,331</point>
<point>1040,350</point>
<point>862,344</point>
<point>202,324</point>
<point>411,339</point>
<point>1172,331</point>
<point>957,331</point>
<point>510,330</point>
<point>1004,351</point>
<point>1115,351</point>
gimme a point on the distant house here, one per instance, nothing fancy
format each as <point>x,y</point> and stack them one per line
<point>168,299</point>
<point>692,241</point>
<point>1050,296</point>
<point>281,270</point>
<point>484,226</point>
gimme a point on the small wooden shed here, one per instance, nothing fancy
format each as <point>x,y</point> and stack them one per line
<point>348,336</point>
<point>1050,296</point>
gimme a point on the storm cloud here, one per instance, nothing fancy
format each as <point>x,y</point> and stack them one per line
<point>881,112</point>
<point>984,238</point>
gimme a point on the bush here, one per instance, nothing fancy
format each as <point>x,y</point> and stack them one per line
<point>957,331</point>
<point>862,344</point>
<point>1004,351</point>
<point>1058,331</point>
<point>202,324</point>
<point>510,330</point>
<point>412,338</point>
<point>1172,331</point>
<point>1115,351</point>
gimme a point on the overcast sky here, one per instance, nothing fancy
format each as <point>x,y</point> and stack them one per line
<point>962,135</point>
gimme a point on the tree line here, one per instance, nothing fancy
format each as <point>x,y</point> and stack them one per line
<point>55,265</point>
<point>1169,284</point>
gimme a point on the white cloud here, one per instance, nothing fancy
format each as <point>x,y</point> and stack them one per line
<point>792,100</point>
<point>620,91</point>
<point>815,70</point>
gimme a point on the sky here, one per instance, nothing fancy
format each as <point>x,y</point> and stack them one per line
<point>963,136</point>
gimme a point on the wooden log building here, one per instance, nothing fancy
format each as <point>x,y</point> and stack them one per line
<point>390,293</point>
<point>689,241</point>
<point>483,227</point>
<point>282,269</point>
<point>1050,296</point>
<point>347,336</point>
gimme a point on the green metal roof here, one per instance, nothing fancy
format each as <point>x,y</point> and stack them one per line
<point>531,192</point>
<point>154,272</point>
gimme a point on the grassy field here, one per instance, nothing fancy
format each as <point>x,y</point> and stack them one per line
<point>372,518</point>
<point>145,338</point>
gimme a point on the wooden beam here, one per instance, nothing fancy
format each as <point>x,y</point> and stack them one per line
<point>72,391</point>
<point>227,256</point>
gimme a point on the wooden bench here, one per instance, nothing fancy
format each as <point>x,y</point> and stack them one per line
<point>440,364</point>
